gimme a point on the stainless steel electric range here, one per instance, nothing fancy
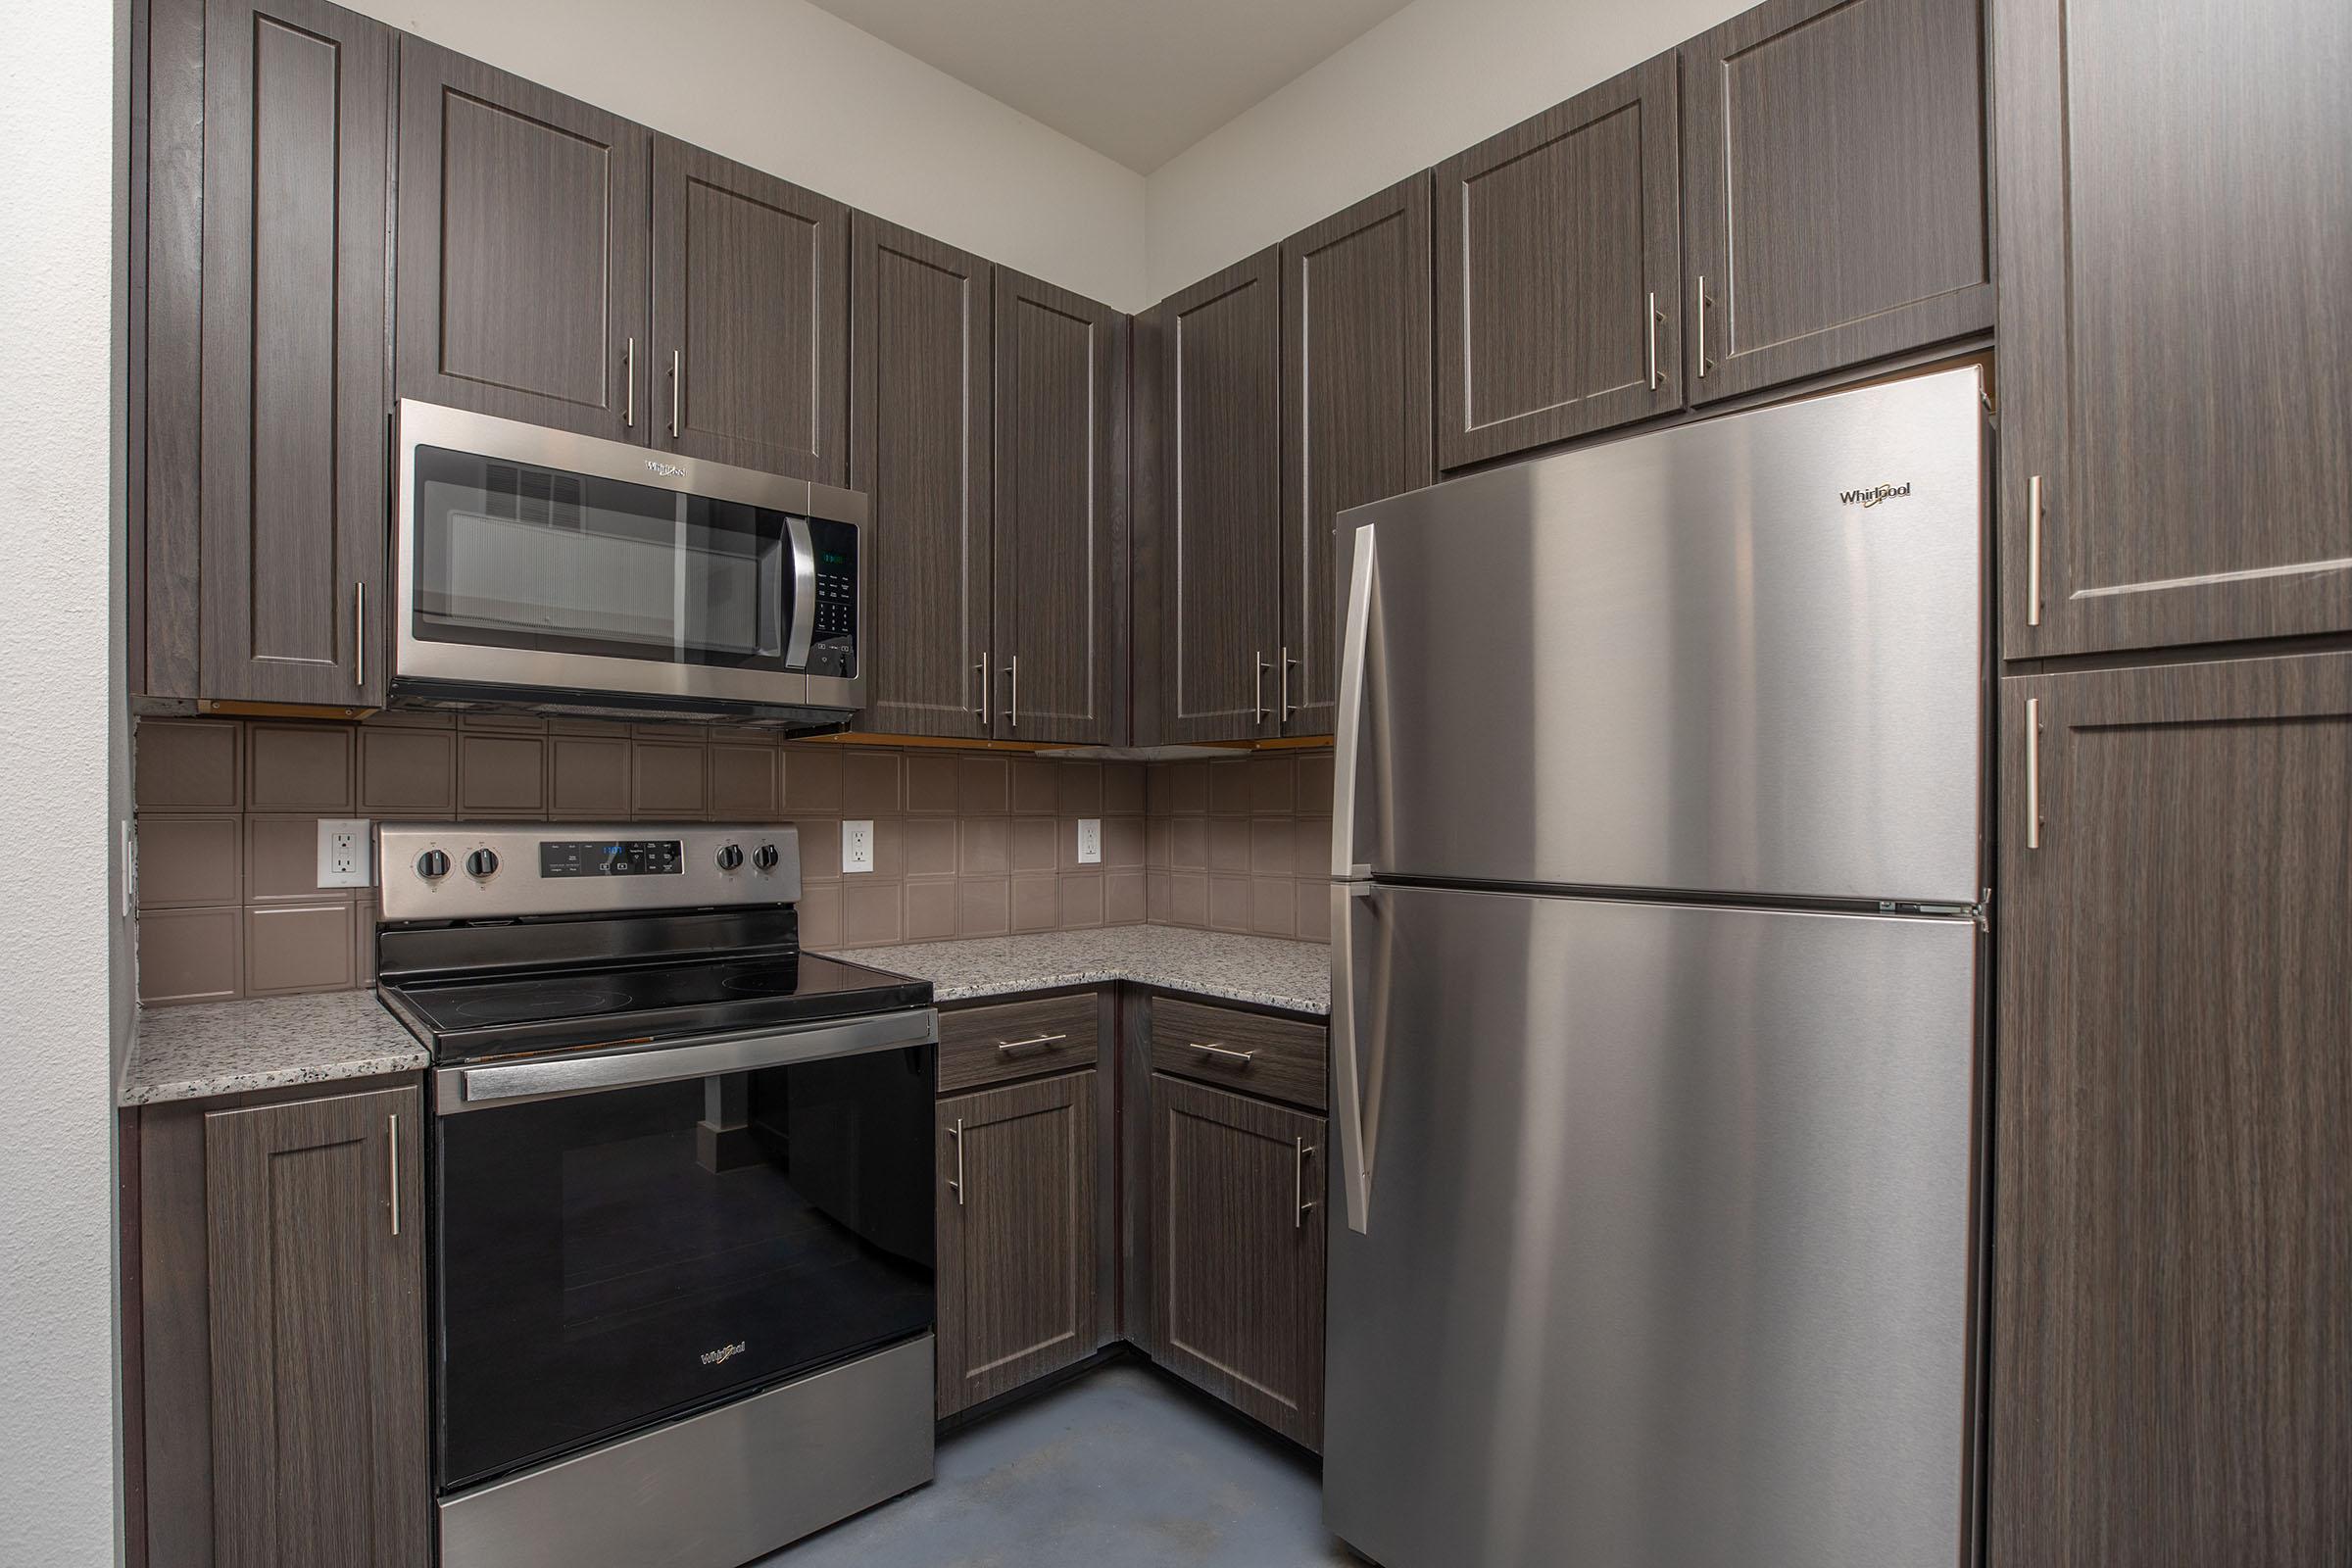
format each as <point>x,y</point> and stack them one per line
<point>680,1176</point>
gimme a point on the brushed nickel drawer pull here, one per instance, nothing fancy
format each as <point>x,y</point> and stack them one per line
<point>1217,1053</point>
<point>2033,772</point>
<point>1290,710</point>
<point>1299,1201</point>
<point>1257,698</point>
<point>980,674</point>
<point>395,1164</point>
<point>1012,703</point>
<point>628,408</point>
<point>956,1186</point>
<point>677,388</point>
<point>1655,318</point>
<point>2033,551</point>
<point>1011,1048</point>
<point>1704,302</point>
<point>359,633</point>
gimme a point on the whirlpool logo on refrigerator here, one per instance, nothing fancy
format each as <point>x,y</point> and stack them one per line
<point>1874,494</point>
<point>725,1354</point>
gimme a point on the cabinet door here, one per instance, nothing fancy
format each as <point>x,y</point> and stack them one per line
<point>316,1213</point>
<point>1016,1235</point>
<point>1236,1290</point>
<point>1061,513</point>
<point>524,230</point>
<point>751,317</point>
<point>2172,1328</point>
<point>2174,184</point>
<point>1208,589</point>
<point>1833,187</point>
<point>1558,271</point>
<point>1355,395</point>
<point>920,443</point>
<point>293,501</point>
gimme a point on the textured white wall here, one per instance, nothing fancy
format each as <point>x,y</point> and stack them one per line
<point>796,91</point>
<point>1430,81</point>
<point>62,784</point>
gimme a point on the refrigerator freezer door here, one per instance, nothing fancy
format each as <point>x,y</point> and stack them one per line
<point>1666,1255</point>
<point>1745,656</point>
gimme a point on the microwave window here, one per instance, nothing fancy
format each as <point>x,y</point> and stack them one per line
<point>513,555</point>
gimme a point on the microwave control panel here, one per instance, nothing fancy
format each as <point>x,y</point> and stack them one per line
<point>833,641</point>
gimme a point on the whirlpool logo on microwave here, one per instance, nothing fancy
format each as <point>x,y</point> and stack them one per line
<point>1874,494</point>
<point>725,1354</point>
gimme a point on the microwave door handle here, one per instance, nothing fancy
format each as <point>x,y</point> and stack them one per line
<point>803,593</point>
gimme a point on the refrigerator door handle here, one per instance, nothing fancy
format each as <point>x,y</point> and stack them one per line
<point>1354,653</point>
<point>1356,1080</point>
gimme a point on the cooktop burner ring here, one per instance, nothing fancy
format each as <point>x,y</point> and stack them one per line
<point>780,977</point>
<point>542,1003</point>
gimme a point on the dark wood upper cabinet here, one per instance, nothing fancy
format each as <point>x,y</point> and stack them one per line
<point>751,317</point>
<point>297,100</point>
<point>1208,590</point>
<point>1238,1233</point>
<point>2171,1298</point>
<point>1017,1282</point>
<point>316,1268</point>
<point>921,440</point>
<point>523,239</point>
<point>2174,325</point>
<point>1356,414</point>
<point>1060,514</point>
<point>1833,206</point>
<point>1557,270</point>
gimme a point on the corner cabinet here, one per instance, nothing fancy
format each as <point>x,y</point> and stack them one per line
<point>282,1341</point>
<point>2175,412</point>
<point>523,249</point>
<point>2172,1290</point>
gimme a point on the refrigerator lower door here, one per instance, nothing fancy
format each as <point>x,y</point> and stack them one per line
<point>1665,1255</point>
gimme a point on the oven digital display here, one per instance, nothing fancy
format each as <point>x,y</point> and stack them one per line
<point>559,857</point>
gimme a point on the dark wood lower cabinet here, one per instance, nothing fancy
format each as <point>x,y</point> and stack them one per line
<point>1017,1285</point>
<point>2172,1326</point>
<point>1238,1266</point>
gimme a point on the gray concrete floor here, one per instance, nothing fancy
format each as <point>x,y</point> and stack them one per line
<point>1119,1469</point>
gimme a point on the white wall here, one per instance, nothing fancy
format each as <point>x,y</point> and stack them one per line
<point>793,90</point>
<point>1429,81</point>
<point>63,785</point>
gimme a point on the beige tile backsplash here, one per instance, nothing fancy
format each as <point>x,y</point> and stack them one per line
<point>965,843</point>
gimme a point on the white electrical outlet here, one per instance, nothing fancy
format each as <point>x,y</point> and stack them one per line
<point>345,852</point>
<point>1090,841</point>
<point>856,846</point>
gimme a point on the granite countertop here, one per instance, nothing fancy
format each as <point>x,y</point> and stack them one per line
<point>1267,970</point>
<point>226,1048</point>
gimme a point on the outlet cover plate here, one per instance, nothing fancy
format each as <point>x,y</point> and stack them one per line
<point>346,853</point>
<point>856,846</point>
<point>1090,841</point>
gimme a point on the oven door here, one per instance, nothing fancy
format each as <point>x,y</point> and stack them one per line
<point>553,563</point>
<point>629,1236</point>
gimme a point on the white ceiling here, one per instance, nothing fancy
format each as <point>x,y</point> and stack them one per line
<point>1138,80</point>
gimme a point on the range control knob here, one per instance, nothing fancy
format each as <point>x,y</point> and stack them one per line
<point>730,855</point>
<point>432,866</point>
<point>764,858</point>
<point>481,862</point>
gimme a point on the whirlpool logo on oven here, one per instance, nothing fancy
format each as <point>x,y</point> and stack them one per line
<point>723,1354</point>
<point>1874,494</point>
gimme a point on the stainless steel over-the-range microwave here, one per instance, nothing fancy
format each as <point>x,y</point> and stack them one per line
<point>564,572</point>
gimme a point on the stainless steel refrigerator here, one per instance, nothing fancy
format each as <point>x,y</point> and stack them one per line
<point>1657,1013</point>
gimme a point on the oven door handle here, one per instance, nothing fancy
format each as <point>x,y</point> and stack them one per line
<point>803,593</point>
<point>462,1088</point>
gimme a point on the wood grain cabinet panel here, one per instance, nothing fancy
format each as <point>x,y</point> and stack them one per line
<point>921,440</point>
<point>1557,270</point>
<point>315,1259</point>
<point>1017,1285</point>
<point>2175,320</point>
<point>1834,187</point>
<point>1019,1039</point>
<point>1280,1059</point>
<point>1356,414</point>
<point>293,505</point>
<point>523,240</point>
<point>2172,1323</point>
<point>1060,514</point>
<point>1209,379</point>
<point>751,316</point>
<point>1237,1283</point>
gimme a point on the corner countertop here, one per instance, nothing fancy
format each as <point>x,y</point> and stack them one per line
<point>1267,971</point>
<point>227,1048</point>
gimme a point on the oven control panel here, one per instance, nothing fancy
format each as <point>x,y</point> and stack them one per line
<point>833,640</point>
<point>475,870</point>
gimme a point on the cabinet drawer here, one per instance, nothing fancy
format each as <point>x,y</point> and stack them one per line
<point>1254,1053</point>
<point>1009,1040</point>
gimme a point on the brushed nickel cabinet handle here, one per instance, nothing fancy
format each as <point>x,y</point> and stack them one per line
<point>1652,331</point>
<point>1013,1047</point>
<point>1705,303</point>
<point>1299,1201</point>
<point>677,379</point>
<point>2033,551</point>
<point>956,1186</point>
<point>628,362</point>
<point>980,674</point>
<point>1216,1053</point>
<point>1290,709</point>
<point>1012,703</point>
<point>395,1164</point>
<point>1257,698</point>
<point>2033,772</point>
<point>359,633</point>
